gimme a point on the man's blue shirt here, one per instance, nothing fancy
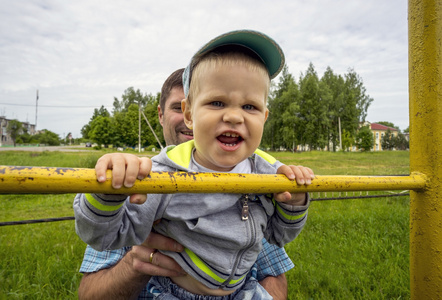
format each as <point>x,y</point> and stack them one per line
<point>272,261</point>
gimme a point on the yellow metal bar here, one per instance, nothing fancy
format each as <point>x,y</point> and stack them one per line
<point>41,180</point>
<point>425,86</point>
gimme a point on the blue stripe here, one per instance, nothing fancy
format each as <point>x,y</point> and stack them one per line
<point>110,201</point>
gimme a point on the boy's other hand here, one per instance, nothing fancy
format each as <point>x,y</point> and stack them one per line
<point>302,175</point>
<point>126,169</point>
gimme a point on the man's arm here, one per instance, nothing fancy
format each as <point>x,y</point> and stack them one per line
<point>271,266</point>
<point>127,278</point>
<point>117,282</point>
<point>276,286</point>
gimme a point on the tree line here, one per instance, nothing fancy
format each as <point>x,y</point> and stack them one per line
<point>307,113</point>
<point>120,128</point>
<point>20,135</point>
<point>326,113</point>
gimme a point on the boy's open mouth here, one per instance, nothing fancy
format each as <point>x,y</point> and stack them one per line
<point>230,139</point>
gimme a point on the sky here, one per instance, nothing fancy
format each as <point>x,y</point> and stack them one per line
<point>81,54</point>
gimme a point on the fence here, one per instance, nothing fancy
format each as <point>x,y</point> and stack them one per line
<point>424,183</point>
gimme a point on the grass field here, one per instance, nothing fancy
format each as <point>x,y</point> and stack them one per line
<point>349,249</point>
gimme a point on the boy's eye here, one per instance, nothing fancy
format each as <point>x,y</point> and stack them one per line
<point>248,107</point>
<point>217,103</point>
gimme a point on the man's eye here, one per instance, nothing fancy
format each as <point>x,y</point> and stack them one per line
<point>176,108</point>
<point>217,103</point>
<point>248,107</point>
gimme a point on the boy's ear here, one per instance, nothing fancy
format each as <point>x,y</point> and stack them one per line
<point>185,107</point>
<point>267,115</point>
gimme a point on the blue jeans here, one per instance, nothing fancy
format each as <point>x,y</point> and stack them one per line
<point>163,288</point>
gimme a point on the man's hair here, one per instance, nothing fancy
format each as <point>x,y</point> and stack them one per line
<point>226,56</point>
<point>175,80</point>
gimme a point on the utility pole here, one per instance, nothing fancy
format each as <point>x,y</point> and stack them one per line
<point>139,126</point>
<point>340,137</point>
<point>36,106</point>
<point>151,129</point>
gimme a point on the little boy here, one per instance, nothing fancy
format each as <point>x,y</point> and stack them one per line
<point>226,86</point>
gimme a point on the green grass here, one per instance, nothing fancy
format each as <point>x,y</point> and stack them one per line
<point>352,249</point>
<point>349,249</point>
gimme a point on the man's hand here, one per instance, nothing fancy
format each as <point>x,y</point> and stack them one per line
<point>276,286</point>
<point>145,260</point>
<point>130,275</point>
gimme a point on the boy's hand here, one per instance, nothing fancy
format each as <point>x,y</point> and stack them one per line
<point>303,175</point>
<point>126,169</point>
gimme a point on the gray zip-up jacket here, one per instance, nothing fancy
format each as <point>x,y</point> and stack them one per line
<point>220,247</point>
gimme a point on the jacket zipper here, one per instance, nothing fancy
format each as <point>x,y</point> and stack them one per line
<point>245,216</point>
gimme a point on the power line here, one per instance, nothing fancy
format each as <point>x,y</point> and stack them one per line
<point>313,199</point>
<point>36,221</point>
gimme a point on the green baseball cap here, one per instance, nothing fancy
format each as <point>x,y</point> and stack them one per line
<point>262,45</point>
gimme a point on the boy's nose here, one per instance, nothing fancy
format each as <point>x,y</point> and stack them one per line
<point>233,116</point>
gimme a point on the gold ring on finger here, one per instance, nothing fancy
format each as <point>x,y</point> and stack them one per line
<point>151,255</point>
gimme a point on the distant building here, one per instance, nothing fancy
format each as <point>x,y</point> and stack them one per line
<point>379,131</point>
<point>6,138</point>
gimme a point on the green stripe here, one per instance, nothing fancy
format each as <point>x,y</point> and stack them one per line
<point>182,153</point>
<point>101,206</point>
<point>205,269</point>
<point>266,156</point>
<point>289,217</point>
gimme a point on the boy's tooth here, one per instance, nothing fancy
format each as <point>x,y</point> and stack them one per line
<point>230,134</point>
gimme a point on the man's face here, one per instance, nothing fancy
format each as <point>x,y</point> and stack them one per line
<point>175,131</point>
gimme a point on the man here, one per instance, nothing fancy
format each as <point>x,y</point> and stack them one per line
<point>124,273</point>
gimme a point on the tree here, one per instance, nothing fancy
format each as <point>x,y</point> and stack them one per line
<point>129,97</point>
<point>313,117</point>
<point>290,116</point>
<point>126,118</point>
<point>347,140</point>
<point>102,111</point>
<point>284,96</point>
<point>356,102</point>
<point>388,140</point>
<point>127,126</point>
<point>400,142</point>
<point>102,131</point>
<point>47,137</point>
<point>68,139</point>
<point>364,139</point>
<point>151,113</point>
<point>335,106</point>
<point>14,129</point>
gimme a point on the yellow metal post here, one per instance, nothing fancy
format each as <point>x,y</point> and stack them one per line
<point>425,86</point>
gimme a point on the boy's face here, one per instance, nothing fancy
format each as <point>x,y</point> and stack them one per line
<point>227,116</point>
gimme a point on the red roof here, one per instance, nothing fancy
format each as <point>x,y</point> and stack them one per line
<point>376,126</point>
